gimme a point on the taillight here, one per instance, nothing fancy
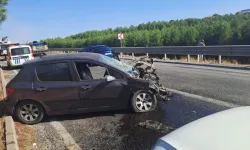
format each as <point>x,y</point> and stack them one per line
<point>32,53</point>
<point>10,91</point>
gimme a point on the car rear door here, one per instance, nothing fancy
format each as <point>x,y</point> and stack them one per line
<point>19,55</point>
<point>55,87</point>
<point>96,92</point>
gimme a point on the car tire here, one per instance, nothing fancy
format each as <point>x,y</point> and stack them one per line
<point>144,101</point>
<point>29,112</point>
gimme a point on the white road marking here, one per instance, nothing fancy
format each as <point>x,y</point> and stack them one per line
<point>206,99</point>
<point>67,139</point>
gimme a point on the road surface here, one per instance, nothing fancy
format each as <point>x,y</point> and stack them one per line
<point>230,85</point>
<point>121,130</point>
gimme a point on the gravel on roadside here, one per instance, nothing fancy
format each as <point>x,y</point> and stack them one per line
<point>2,137</point>
<point>25,136</point>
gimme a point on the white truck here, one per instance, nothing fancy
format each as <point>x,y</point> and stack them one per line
<point>39,48</point>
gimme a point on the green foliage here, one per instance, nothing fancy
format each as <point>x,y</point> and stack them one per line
<point>215,30</point>
<point>3,10</point>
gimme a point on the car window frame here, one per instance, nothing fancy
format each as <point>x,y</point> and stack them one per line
<point>53,62</point>
<point>124,77</point>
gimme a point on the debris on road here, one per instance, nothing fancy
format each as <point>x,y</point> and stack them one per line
<point>35,146</point>
<point>154,125</point>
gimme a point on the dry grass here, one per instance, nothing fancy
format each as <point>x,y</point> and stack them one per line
<point>2,137</point>
<point>234,62</point>
<point>25,136</point>
<point>193,59</point>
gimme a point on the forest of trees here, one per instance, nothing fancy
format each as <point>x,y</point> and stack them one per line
<point>230,29</point>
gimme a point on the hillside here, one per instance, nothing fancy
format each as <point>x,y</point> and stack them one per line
<point>230,29</point>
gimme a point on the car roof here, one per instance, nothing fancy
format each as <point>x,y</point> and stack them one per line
<point>72,56</point>
<point>226,130</point>
<point>95,46</point>
<point>18,46</point>
<point>98,46</point>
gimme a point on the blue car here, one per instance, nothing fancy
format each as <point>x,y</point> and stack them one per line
<point>101,49</point>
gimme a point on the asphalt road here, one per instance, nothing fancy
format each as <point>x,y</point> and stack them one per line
<point>230,85</point>
<point>121,130</point>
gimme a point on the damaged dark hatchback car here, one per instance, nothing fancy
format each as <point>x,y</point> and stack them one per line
<point>76,83</point>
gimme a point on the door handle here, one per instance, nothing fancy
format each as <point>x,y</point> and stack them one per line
<point>41,89</point>
<point>85,87</point>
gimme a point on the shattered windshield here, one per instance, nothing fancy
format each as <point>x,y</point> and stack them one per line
<point>116,64</point>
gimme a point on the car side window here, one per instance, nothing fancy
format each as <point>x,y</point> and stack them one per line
<point>91,71</point>
<point>115,73</point>
<point>53,72</point>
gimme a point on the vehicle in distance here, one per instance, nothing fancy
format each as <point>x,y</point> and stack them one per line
<point>17,55</point>
<point>101,49</point>
<point>4,44</point>
<point>226,130</point>
<point>76,83</point>
<point>39,48</point>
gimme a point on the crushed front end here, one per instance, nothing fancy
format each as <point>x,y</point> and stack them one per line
<point>144,67</point>
<point>160,92</point>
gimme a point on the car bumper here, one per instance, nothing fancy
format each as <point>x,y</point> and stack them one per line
<point>14,65</point>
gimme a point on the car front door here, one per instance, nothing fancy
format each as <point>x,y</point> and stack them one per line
<point>98,93</point>
<point>55,88</point>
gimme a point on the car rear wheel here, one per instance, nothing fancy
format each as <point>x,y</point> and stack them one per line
<point>144,101</point>
<point>29,112</point>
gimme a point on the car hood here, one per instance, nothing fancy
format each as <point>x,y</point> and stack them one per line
<point>226,130</point>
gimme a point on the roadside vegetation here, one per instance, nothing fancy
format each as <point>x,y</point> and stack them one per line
<point>3,10</point>
<point>229,29</point>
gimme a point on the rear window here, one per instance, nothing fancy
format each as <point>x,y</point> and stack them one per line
<point>53,72</point>
<point>102,49</point>
<point>24,75</point>
<point>20,51</point>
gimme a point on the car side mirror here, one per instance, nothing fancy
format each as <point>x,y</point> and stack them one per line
<point>110,78</point>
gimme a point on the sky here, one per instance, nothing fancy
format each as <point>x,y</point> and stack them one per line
<point>30,20</point>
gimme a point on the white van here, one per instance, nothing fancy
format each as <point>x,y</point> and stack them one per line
<point>17,55</point>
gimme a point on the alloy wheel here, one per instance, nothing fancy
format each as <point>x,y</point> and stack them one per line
<point>144,102</point>
<point>29,112</point>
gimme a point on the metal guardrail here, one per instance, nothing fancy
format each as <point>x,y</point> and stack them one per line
<point>223,50</point>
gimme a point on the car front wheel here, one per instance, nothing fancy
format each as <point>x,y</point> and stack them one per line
<point>29,112</point>
<point>144,101</point>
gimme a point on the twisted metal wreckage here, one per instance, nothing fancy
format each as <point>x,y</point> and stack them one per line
<point>145,67</point>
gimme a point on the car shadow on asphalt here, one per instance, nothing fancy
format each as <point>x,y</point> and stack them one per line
<point>8,68</point>
<point>85,115</point>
